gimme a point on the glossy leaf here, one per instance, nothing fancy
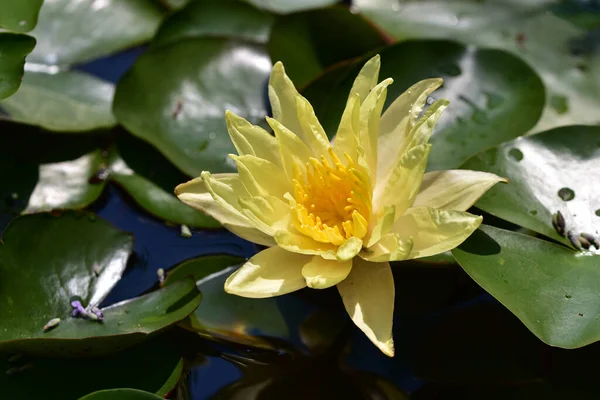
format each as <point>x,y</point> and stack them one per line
<point>543,170</point>
<point>148,366</point>
<point>43,171</point>
<point>121,394</point>
<point>154,199</point>
<point>74,31</point>
<point>216,18</point>
<point>558,50</point>
<point>67,101</point>
<point>21,15</point>
<point>309,42</point>
<point>13,50</point>
<point>493,95</point>
<point>550,288</point>
<point>223,314</point>
<point>177,102</point>
<point>286,7</point>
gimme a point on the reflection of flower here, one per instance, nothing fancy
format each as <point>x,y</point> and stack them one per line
<point>336,214</point>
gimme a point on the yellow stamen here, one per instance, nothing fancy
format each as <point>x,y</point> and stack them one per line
<point>331,202</point>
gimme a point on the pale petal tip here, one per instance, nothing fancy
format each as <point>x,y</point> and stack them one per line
<point>387,348</point>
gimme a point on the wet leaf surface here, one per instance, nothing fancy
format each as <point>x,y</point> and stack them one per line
<point>550,172</point>
<point>549,287</point>
<point>19,16</point>
<point>178,103</point>
<point>66,102</point>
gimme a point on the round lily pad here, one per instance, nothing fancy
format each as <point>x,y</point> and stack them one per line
<point>494,96</point>
<point>177,102</point>
<point>550,288</point>
<point>67,101</point>
<point>13,49</point>
<point>121,394</point>
<point>550,172</point>
<point>74,31</point>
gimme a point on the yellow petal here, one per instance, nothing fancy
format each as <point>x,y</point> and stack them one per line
<point>222,205</point>
<point>383,223</point>
<point>435,231</point>
<point>398,119</point>
<point>313,133</point>
<point>403,185</point>
<point>298,243</point>
<point>293,151</point>
<point>321,273</point>
<point>272,272</point>
<point>368,295</point>
<point>295,112</point>
<point>282,94</point>
<point>390,247</point>
<point>267,213</point>
<point>454,189</point>
<point>251,139</point>
<point>366,79</point>
<point>346,139</point>
<point>349,249</point>
<point>261,177</point>
<point>370,116</point>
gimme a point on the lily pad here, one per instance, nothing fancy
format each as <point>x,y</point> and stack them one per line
<point>74,31</point>
<point>494,96</point>
<point>177,102</point>
<point>132,368</point>
<point>286,6</point>
<point>154,199</point>
<point>13,50</point>
<point>309,42</point>
<point>66,101</point>
<point>223,314</point>
<point>21,15</point>
<point>121,394</point>
<point>224,18</point>
<point>550,172</point>
<point>41,171</point>
<point>550,288</point>
<point>554,47</point>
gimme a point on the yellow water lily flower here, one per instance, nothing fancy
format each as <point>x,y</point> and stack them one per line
<point>336,214</point>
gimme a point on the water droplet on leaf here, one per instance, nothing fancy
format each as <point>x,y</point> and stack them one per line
<point>566,194</point>
<point>559,103</point>
<point>515,154</point>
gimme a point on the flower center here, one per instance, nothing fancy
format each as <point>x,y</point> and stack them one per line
<point>333,202</point>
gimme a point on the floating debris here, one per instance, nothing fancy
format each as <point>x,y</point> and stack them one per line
<point>590,238</point>
<point>558,222</point>
<point>98,313</point>
<point>53,323</point>
<point>584,242</point>
<point>574,240</point>
<point>78,310</point>
<point>97,269</point>
<point>161,276</point>
<point>185,231</point>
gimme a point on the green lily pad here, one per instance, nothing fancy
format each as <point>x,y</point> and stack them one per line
<point>177,102</point>
<point>74,31</point>
<point>44,171</point>
<point>37,286</point>
<point>153,365</point>
<point>554,47</point>
<point>309,42</point>
<point>224,18</point>
<point>223,314</point>
<point>121,394</point>
<point>550,172</point>
<point>154,199</point>
<point>494,96</point>
<point>550,288</point>
<point>286,6</point>
<point>21,15</point>
<point>66,101</point>
<point>13,50</point>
